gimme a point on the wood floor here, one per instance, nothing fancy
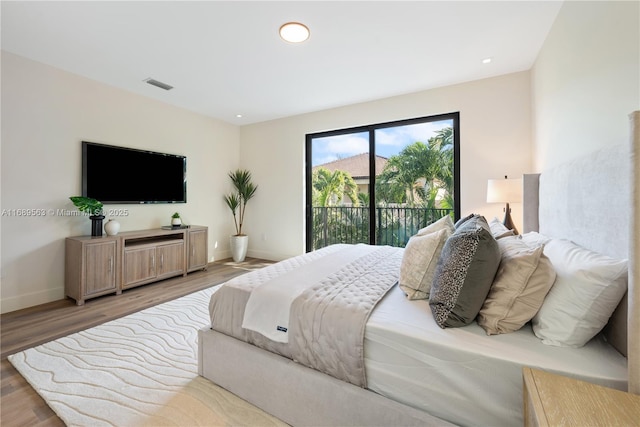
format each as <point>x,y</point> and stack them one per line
<point>20,405</point>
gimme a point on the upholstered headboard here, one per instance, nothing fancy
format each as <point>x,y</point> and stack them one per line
<point>594,201</point>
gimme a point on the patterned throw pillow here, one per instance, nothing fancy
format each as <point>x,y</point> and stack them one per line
<point>464,274</point>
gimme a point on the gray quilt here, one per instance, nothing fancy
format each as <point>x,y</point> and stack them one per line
<point>327,320</point>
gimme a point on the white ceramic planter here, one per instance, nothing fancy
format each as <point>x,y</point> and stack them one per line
<point>239,245</point>
<point>112,227</point>
<point>176,221</point>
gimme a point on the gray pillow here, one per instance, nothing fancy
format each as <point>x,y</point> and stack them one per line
<point>464,274</point>
<point>463,220</point>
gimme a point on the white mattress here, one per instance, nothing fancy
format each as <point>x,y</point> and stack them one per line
<point>463,375</point>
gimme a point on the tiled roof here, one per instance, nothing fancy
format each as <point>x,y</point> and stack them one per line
<point>357,166</point>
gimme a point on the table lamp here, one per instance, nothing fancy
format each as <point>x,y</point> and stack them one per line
<point>504,191</point>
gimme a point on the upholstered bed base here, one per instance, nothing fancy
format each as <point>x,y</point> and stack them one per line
<point>294,393</point>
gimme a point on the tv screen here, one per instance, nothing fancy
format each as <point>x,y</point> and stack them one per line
<point>113,174</point>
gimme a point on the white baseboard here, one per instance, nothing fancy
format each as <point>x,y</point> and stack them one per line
<point>29,300</point>
<point>270,255</point>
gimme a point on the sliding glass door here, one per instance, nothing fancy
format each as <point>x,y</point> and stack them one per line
<point>379,184</point>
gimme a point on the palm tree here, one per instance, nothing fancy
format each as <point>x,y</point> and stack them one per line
<point>405,174</point>
<point>442,144</point>
<point>420,173</point>
<point>363,199</point>
<point>329,188</point>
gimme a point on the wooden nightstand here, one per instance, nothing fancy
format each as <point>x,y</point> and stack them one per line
<point>554,400</point>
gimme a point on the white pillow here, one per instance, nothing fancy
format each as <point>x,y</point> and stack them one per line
<point>419,263</point>
<point>588,288</point>
<point>443,223</point>
<point>533,238</point>
<point>499,230</point>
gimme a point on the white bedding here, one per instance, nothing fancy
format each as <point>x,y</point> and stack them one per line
<point>269,305</point>
<point>457,374</point>
<point>463,375</point>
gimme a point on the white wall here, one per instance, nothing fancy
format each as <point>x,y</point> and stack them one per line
<point>495,140</point>
<point>586,80</point>
<point>46,113</point>
<point>575,99</point>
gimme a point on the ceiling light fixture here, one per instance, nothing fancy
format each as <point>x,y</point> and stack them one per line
<point>294,32</point>
<point>486,60</point>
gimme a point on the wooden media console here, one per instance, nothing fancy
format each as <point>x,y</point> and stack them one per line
<point>96,266</point>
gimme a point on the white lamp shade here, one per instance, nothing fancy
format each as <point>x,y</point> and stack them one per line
<point>504,190</point>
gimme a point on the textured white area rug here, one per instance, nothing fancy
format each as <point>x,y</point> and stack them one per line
<point>140,370</point>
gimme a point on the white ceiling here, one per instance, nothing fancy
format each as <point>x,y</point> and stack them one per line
<point>226,58</point>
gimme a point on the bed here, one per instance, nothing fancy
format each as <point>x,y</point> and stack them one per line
<point>417,372</point>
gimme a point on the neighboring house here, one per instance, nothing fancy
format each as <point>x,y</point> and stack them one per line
<point>358,167</point>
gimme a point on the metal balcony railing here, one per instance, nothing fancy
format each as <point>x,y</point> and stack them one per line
<point>393,225</point>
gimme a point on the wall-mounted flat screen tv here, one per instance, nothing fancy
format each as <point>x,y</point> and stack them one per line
<point>113,174</point>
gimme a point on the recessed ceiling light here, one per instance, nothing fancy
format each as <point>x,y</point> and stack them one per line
<point>239,116</point>
<point>294,32</point>
<point>486,60</point>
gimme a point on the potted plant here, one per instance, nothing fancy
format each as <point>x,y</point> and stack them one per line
<point>237,200</point>
<point>93,208</point>
<point>175,220</point>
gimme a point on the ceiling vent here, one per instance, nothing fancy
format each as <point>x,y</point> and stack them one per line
<point>158,84</point>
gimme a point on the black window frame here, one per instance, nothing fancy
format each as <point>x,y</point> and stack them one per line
<point>370,129</point>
